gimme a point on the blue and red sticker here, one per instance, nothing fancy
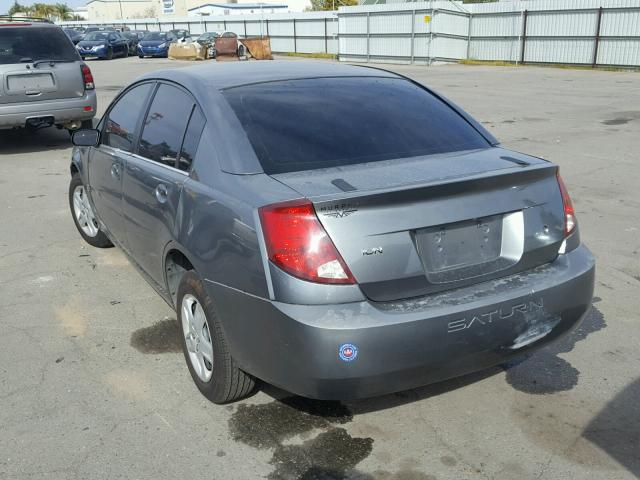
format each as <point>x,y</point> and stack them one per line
<point>348,352</point>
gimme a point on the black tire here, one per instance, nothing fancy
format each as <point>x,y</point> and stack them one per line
<point>100,240</point>
<point>227,383</point>
<point>109,54</point>
<point>140,56</point>
<point>86,124</point>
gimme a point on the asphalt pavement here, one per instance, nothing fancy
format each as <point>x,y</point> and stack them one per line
<point>93,384</point>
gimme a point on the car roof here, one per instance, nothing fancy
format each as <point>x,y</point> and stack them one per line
<point>220,76</point>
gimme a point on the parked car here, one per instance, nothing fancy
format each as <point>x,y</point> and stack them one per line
<point>140,33</point>
<point>74,35</point>
<point>99,29</point>
<point>226,43</point>
<point>181,34</point>
<point>207,40</point>
<point>44,81</point>
<point>133,40</point>
<point>103,44</point>
<point>155,44</point>
<point>338,231</point>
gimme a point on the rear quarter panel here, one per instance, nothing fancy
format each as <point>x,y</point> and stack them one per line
<point>218,230</point>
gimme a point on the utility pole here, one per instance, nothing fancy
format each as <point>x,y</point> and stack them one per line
<point>120,3</point>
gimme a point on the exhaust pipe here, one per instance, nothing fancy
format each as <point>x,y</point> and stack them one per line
<point>36,123</point>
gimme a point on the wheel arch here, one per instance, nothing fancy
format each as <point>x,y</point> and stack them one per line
<point>176,264</point>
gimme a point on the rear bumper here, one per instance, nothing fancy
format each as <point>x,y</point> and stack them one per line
<point>63,110</point>
<point>402,345</point>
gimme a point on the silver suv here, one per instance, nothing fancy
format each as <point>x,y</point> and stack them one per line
<point>43,80</point>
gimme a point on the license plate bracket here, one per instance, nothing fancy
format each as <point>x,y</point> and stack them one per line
<point>30,82</point>
<point>466,249</point>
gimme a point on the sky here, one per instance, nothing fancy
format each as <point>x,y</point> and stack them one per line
<point>5,5</point>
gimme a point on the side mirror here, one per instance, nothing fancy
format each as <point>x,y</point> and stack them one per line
<point>86,138</point>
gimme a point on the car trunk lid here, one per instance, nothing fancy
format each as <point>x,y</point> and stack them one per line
<point>26,83</point>
<point>415,226</point>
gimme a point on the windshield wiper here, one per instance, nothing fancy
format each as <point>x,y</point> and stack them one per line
<point>38,62</point>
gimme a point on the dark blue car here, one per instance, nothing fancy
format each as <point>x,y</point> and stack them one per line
<point>156,44</point>
<point>103,45</point>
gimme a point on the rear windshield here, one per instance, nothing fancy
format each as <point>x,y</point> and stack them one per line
<point>30,44</point>
<point>155,36</point>
<point>306,124</point>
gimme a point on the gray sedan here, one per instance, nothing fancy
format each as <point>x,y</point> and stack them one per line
<point>337,231</point>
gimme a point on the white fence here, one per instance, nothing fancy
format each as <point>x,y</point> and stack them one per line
<point>585,32</point>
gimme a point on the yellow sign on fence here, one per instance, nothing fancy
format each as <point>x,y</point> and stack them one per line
<point>427,18</point>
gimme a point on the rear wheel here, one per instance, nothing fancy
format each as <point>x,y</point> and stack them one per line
<point>140,56</point>
<point>210,364</point>
<point>83,215</point>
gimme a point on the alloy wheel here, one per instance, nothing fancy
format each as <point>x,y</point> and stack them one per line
<point>197,336</point>
<point>84,213</point>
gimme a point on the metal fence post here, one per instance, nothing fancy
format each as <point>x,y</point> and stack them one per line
<point>469,37</point>
<point>524,34</point>
<point>295,42</point>
<point>413,33</point>
<point>596,42</point>
<point>267,26</point>
<point>326,40</point>
<point>368,39</point>
<point>244,22</point>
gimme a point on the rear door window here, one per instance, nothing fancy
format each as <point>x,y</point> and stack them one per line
<point>191,140</point>
<point>30,44</point>
<point>123,119</point>
<point>165,124</point>
<point>307,124</point>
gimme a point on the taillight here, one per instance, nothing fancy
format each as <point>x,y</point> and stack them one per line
<point>298,244</point>
<point>87,77</point>
<point>569,212</point>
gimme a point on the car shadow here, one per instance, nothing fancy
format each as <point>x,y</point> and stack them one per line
<point>33,141</point>
<point>616,429</point>
<point>383,402</point>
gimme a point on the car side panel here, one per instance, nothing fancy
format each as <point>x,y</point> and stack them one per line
<point>218,235</point>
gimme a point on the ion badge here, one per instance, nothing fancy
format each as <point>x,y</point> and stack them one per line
<point>348,352</point>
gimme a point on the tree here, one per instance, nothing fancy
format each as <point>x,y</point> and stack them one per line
<point>318,5</point>
<point>43,10</point>
<point>62,11</point>
<point>16,8</point>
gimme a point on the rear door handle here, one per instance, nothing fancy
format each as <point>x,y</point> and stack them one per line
<point>162,193</point>
<point>115,171</point>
